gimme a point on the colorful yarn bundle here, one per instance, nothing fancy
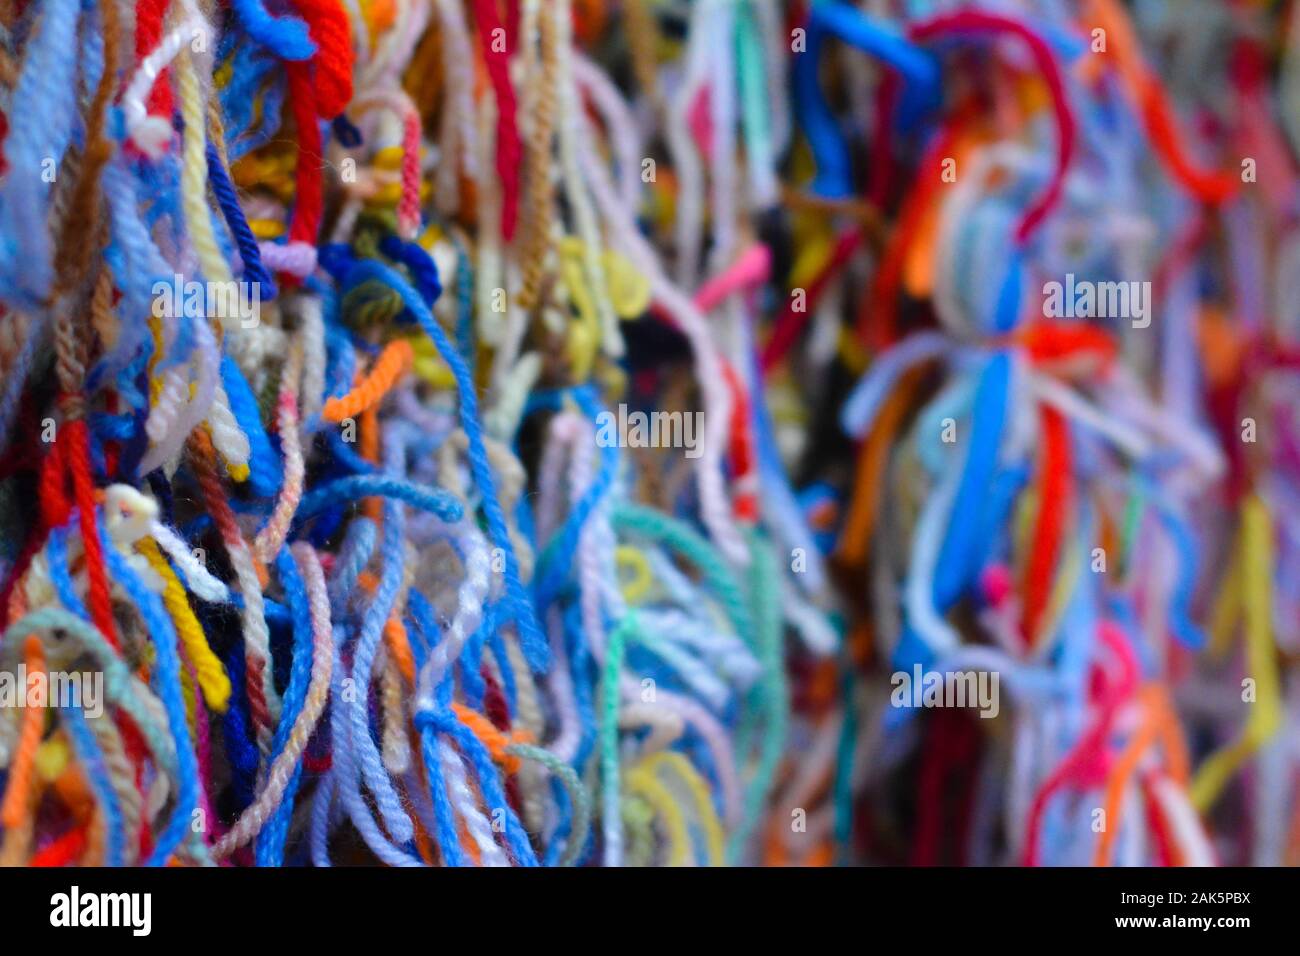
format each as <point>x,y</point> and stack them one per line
<point>551,432</point>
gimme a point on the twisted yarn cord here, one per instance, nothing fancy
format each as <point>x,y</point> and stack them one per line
<point>539,162</point>
<point>322,658</point>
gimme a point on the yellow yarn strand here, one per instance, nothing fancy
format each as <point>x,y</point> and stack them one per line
<point>1265,719</point>
<point>677,834</point>
<point>679,766</point>
<point>211,673</point>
